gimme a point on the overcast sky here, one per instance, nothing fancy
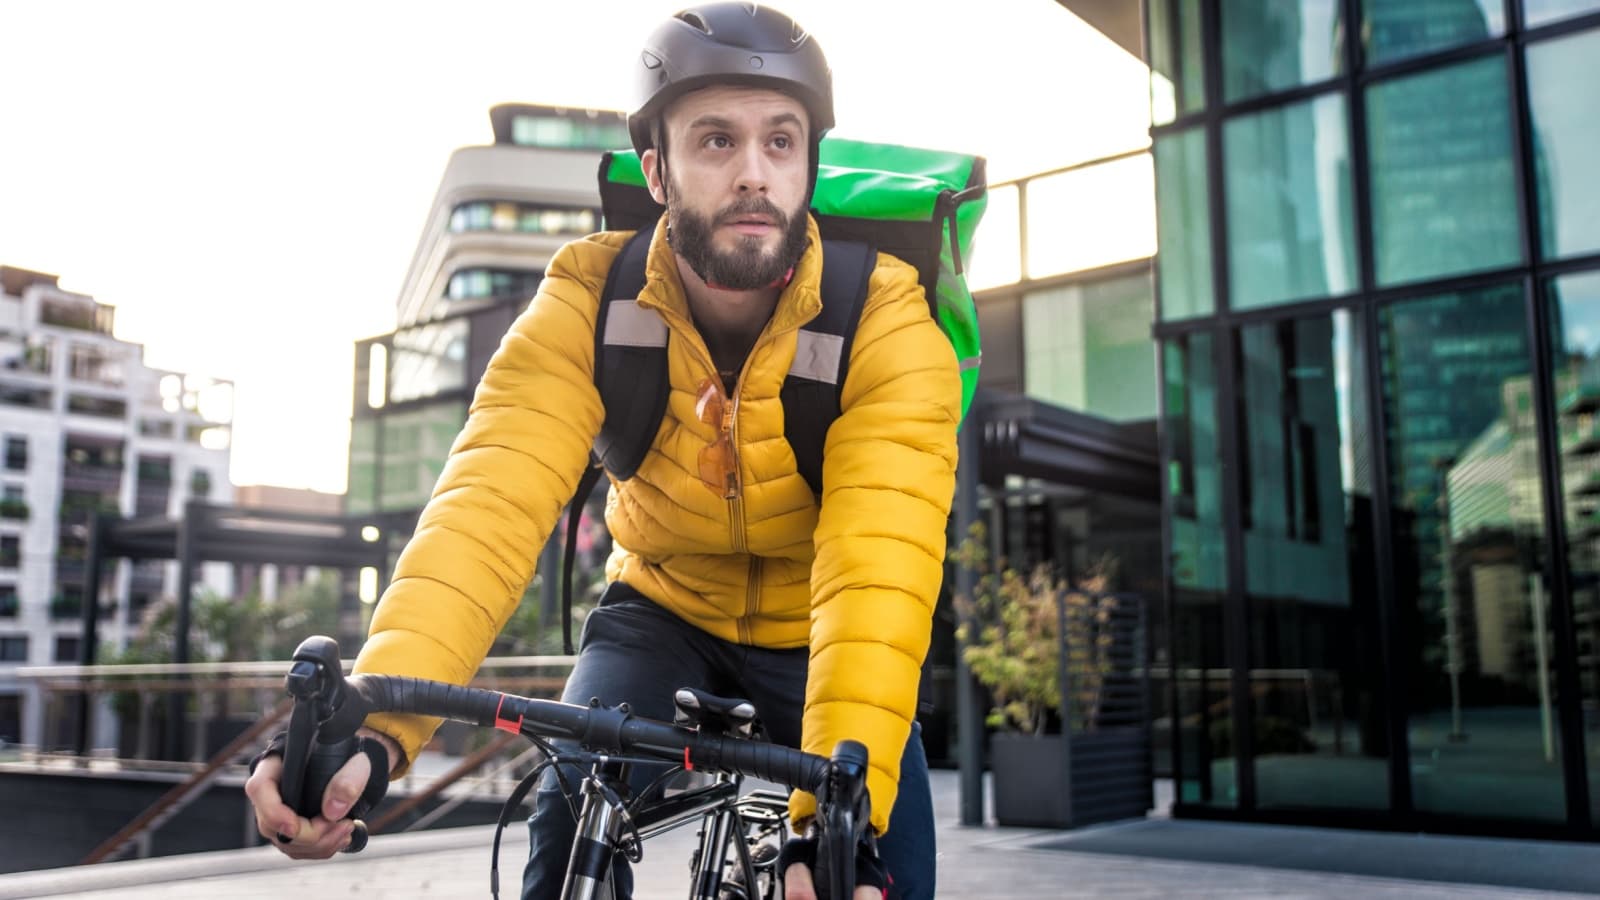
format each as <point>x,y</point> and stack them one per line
<point>246,182</point>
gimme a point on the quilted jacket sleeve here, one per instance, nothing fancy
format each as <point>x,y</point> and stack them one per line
<point>888,482</point>
<point>511,470</point>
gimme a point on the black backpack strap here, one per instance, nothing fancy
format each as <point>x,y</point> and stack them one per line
<point>822,355</point>
<point>630,363</point>
<point>580,499</point>
<point>630,371</point>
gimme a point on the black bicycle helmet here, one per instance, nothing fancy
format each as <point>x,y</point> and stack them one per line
<point>730,43</point>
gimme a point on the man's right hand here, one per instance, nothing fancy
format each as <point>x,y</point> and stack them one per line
<point>323,835</point>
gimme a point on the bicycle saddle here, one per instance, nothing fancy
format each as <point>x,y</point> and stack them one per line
<point>708,712</point>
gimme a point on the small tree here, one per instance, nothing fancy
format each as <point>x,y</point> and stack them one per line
<point>1010,636</point>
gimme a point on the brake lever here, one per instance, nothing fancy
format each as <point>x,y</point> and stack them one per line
<point>846,803</point>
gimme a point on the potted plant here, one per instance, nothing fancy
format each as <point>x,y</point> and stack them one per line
<point>1012,634</point>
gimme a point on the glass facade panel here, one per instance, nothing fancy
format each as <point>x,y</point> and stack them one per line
<point>1177,68</point>
<point>1543,12</point>
<point>1574,309</point>
<point>1395,29</point>
<point>1087,347</point>
<point>1316,664</point>
<point>477,284</point>
<point>1203,717</point>
<point>361,497</point>
<point>1471,591</point>
<point>1183,226</point>
<point>1273,45</point>
<point>428,360</point>
<point>1566,131</point>
<point>1290,222</point>
<point>1444,198</point>
<point>415,444</point>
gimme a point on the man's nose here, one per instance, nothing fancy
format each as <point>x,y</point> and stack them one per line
<point>754,170</point>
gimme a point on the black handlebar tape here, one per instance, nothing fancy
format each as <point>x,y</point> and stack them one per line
<point>758,759</point>
<point>399,694</point>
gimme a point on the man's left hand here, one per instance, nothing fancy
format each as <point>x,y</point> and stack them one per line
<point>797,885</point>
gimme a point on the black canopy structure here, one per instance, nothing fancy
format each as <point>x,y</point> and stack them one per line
<point>1008,434</point>
<point>208,532</point>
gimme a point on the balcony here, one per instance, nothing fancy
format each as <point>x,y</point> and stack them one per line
<point>95,317</point>
<point>62,608</point>
<point>97,479</point>
<point>14,509</point>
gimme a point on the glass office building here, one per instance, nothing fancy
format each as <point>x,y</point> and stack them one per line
<point>1379,327</point>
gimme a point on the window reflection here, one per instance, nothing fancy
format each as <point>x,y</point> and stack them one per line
<point>1087,347</point>
<point>1177,74</point>
<point>1565,133</point>
<point>415,444</point>
<point>479,284</point>
<point>1469,549</point>
<point>1574,309</point>
<point>1290,232</point>
<point>1395,29</point>
<point>1444,198</point>
<point>1272,45</point>
<point>1543,12</point>
<point>530,218</point>
<point>1203,716</point>
<point>1183,225</point>
<point>428,360</point>
<point>1318,721</point>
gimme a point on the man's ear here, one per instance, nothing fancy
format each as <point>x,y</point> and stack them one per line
<point>652,176</point>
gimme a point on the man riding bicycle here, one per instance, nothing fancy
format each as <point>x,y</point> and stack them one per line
<point>729,573</point>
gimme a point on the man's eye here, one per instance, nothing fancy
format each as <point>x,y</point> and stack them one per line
<point>782,142</point>
<point>718,142</point>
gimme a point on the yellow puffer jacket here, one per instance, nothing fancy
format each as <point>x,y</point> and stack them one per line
<point>856,579</point>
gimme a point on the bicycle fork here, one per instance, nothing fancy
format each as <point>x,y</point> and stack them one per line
<point>599,833</point>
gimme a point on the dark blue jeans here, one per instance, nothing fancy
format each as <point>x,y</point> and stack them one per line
<point>635,651</point>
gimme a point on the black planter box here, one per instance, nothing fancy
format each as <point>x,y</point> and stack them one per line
<point>1068,782</point>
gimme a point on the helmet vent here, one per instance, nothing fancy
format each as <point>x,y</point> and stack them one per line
<point>694,19</point>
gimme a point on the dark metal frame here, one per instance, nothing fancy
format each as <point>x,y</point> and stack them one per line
<point>214,533</point>
<point>1223,323</point>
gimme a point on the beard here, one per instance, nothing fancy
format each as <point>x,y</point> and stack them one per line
<point>749,265</point>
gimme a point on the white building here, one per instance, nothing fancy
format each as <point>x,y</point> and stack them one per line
<point>85,426</point>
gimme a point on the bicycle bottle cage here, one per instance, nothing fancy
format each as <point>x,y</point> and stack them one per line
<point>708,712</point>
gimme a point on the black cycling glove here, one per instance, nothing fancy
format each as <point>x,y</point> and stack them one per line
<point>869,869</point>
<point>377,782</point>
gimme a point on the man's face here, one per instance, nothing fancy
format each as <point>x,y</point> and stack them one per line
<point>737,173</point>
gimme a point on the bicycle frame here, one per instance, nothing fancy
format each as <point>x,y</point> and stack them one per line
<point>604,828</point>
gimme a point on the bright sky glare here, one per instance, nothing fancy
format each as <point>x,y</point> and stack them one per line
<point>246,183</point>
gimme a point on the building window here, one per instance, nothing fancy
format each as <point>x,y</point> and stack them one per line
<point>200,484</point>
<point>1444,197</point>
<point>1565,133</point>
<point>528,218</point>
<point>156,428</point>
<point>1290,223</point>
<point>1183,225</point>
<point>16,454</point>
<point>13,502</point>
<point>1543,12</point>
<point>428,360</point>
<point>1087,347</point>
<point>103,407</point>
<point>1273,45</point>
<point>1573,302</point>
<point>561,133</point>
<point>1307,503</point>
<point>67,649</point>
<point>478,284</point>
<point>1395,29</point>
<point>14,648</point>
<point>26,396</point>
<point>9,604</point>
<point>1205,773</point>
<point>1177,63</point>
<point>94,364</point>
<point>1466,516</point>
<point>10,551</point>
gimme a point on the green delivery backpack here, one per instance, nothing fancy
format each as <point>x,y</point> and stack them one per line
<point>921,206</point>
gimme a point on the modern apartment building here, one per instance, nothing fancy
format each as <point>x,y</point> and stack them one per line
<point>87,428</point>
